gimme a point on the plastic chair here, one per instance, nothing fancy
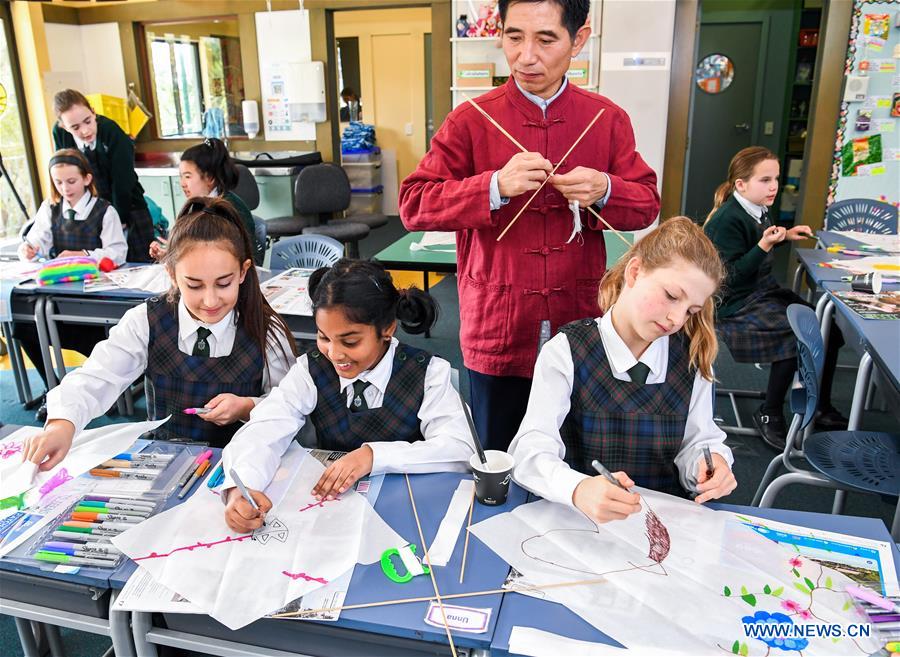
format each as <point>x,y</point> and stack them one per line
<point>306,251</point>
<point>862,215</point>
<point>843,460</point>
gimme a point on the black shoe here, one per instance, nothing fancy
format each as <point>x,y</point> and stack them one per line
<point>771,427</point>
<point>830,419</point>
<point>41,413</point>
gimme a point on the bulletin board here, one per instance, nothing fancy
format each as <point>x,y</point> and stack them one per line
<point>867,149</point>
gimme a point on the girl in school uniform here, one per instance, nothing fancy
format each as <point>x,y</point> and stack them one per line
<point>212,342</point>
<point>752,319</point>
<point>633,388</point>
<point>111,155</point>
<point>390,406</point>
<point>73,222</point>
<point>208,170</point>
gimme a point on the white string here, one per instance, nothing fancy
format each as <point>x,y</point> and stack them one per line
<point>575,207</point>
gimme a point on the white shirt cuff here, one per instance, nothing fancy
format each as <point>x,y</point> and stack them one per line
<point>497,201</point>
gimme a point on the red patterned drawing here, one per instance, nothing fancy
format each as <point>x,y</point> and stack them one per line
<point>320,504</point>
<point>308,578</point>
<point>189,548</point>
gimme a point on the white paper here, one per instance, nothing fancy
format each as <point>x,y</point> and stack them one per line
<point>89,449</point>
<point>690,573</point>
<point>888,265</point>
<point>18,271</point>
<point>889,243</point>
<point>143,593</point>
<point>538,643</point>
<point>435,240</point>
<point>448,533</point>
<point>304,545</point>
<point>288,293</point>
<point>151,278</point>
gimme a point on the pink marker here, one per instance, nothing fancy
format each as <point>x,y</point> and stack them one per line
<point>201,457</point>
<point>196,411</point>
<point>872,598</point>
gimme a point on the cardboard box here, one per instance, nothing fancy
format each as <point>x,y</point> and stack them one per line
<point>475,75</point>
<point>579,72</point>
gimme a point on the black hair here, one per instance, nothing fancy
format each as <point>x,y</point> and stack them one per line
<point>366,293</point>
<point>574,12</point>
<point>212,159</point>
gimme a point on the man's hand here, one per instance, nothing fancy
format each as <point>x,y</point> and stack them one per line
<point>587,186</point>
<point>523,173</point>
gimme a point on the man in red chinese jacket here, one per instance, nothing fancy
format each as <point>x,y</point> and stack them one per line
<point>474,180</point>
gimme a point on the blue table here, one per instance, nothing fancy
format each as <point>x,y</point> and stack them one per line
<point>526,611</point>
<point>389,630</point>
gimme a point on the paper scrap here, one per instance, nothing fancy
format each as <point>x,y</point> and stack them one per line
<point>448,533</point>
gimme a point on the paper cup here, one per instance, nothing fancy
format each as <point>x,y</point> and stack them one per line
<point>869,283</point>
<point>492,479</point>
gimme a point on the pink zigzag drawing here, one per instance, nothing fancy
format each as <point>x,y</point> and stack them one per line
<point>312,505</point>
<point>296,576</point>
<point>227,539</point>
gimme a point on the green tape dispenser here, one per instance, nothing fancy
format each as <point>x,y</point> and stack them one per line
<point>407,555</point>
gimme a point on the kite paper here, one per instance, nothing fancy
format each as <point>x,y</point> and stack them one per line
<point>89,449</point>
<point>697,577</point>
<point>238,578</point>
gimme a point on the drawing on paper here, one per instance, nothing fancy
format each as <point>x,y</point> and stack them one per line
<point>273,530</point>
<point>305,577</point>
<point>55,481</point>
<point>190,548</point>
<point>10,449</point>
<point>317,505</point>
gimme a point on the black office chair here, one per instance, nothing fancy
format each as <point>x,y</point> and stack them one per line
<point>322,194</point>
<point>248,191</point>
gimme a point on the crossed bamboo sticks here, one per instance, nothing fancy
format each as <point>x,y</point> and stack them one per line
<point>525,150</point>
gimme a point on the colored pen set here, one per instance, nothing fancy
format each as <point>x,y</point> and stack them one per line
<point>194,473</point>
<point>83,539</point>
<point>144,467</point>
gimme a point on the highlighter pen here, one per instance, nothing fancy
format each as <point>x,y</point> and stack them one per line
<point>202,456</point>
<point>198,473</point>
<point>96,548</point>
<point>56,557</point>
<point>105,517</point>
<point>196,411</point>
<point>217,474</point>
<point>606,474</point>
<point>134,501</point>
<point>124,475</point>
<point>710,467</point>
<point>139,513</point>
<point>113,506</point>
<point>53,546</point>
<point>138,456</point>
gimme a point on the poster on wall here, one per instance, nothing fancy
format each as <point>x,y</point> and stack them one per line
<point>867,145</point>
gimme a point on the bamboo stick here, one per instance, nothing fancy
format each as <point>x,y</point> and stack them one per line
<point>437,593</point>
<point>562,159</point>
<point>462,568</point>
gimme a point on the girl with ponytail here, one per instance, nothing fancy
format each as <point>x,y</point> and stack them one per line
<point>388,406</point>
<point>752,319</point>
<point>633,388</point>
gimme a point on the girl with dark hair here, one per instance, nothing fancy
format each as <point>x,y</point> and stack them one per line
<point>752,319</point>
<point>207,169</point>
<point>110,153</point>
<point>213,342</point>
<point>73,222</point>
<point>390,406</point>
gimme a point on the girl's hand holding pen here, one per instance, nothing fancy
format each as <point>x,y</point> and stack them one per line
<point>721,483</point>
<point>602,501</point>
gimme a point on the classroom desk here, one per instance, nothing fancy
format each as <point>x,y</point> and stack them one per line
<point>80,601</point>
<point>49,306</point>
<point>395,630</point>
<point>531,612</point>
<point>25,308</point>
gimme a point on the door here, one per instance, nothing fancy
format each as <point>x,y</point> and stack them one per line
<point>724,118</point>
